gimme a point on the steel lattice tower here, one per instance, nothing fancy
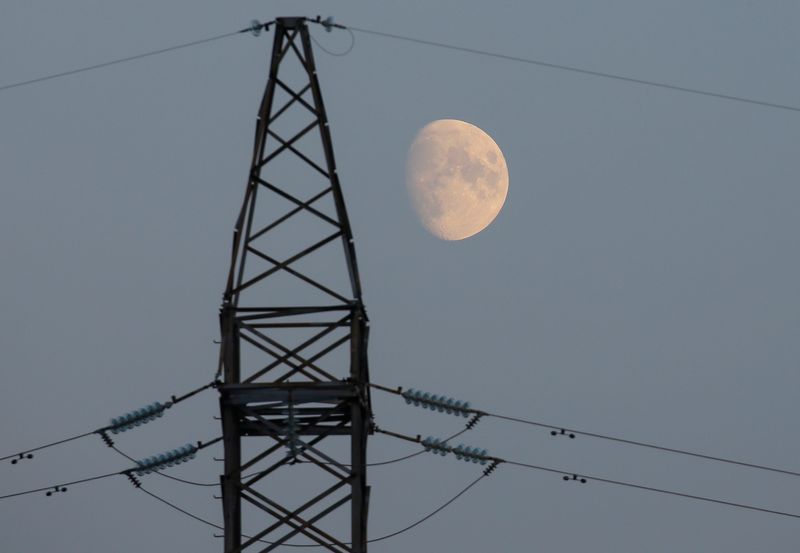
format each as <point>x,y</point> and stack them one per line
<point>294,331</point>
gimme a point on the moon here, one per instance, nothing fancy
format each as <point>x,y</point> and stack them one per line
<point>457,178</point>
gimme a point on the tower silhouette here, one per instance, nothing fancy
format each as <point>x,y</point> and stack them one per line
<point>295,393</point>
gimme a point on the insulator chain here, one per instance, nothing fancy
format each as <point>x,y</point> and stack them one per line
<point>443,404</point>
<point>470,454</point>
<point>106,438</point>
<point>164,460</point>
<point>135,481</point>
<point>290,430</point>
<point>462,452</point>
<point>491,468</point>
<point>474,420</point>
<point>138,417</point>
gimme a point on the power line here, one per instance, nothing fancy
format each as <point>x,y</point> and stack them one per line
<point>563,430</point>
<point>130,58</point>
<point>647,445</point>
<point>583,71</point>
<point>381,538</point>
<point>62,487</point>
<point>496,55</point>
<point>245,476</point>
<point>212,524</point>
<point>398,459</point>
<point>337,54</point>
<point>412,455</point>
<point>155,466</point>
<point>583,478</point>
<point>497,460</point>
<point>137,417</point>
<point>433,513</point>
<point>659,490</point>
<point>180,510</point>
<point>208,522</point>
<point>27,453</point>
<point>169,476</point>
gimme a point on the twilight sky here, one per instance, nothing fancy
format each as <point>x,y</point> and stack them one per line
<point>641,280</point>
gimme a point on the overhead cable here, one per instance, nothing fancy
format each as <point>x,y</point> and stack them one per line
<point>337,54</point>
<point>60,487</point>
<point>212,524</point>
<point>581,70</point>
<point>251,475</point>
<point>557,430</point>
<point>284,544</point>
<point>28,453</point>
<point>481,455</point>
<point>165,475</point>
<point>449,405</point>
<point>420,452</point>
<point>432,513</point>
<point>254,29</point>
<point>119,424</point>
<point>585,478</point>
<point>145,466</point>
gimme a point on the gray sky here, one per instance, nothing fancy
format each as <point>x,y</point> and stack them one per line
<point>640,281</point>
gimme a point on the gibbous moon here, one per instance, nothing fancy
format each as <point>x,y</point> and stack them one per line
<point>456,177</point>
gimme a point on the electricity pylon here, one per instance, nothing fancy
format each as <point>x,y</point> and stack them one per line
<point>294,331</point>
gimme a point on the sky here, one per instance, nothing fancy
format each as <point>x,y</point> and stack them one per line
<point>641,280</point>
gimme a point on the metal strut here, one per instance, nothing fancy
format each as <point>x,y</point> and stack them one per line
<point>294,331</point>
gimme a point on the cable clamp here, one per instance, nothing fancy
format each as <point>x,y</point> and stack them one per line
<point>22,457</point>
<point>56,489</point>
<point>327,23</point>
<point>256,27</point>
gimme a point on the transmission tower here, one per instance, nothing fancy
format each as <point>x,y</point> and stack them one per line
<point>295,396</point>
